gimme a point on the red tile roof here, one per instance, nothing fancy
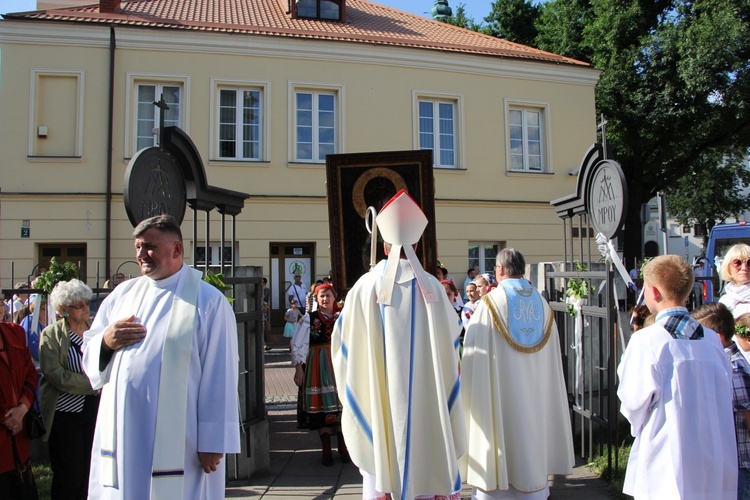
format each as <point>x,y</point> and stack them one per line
<point>366,22</point>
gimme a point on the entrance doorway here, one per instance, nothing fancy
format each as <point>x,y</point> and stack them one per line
<point>288,259</point>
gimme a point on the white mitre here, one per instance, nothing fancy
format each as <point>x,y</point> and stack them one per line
<point>401,223</point>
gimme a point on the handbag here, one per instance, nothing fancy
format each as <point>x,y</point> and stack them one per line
<point>21,484</point>
<point>35,423</point>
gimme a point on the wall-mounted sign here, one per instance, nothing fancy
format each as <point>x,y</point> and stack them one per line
<point>607,203</point>
<point>25,232</point>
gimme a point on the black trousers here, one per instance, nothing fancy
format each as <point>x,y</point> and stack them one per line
<point>70,443</point>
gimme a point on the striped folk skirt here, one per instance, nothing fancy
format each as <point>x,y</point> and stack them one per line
<point>318,402</point>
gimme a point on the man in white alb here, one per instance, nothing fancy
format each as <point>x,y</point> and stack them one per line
<point>163,349</point>
<point>395,354</point>
<point>513,391</point>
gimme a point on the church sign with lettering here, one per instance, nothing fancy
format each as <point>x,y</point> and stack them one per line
<point>607,203</point>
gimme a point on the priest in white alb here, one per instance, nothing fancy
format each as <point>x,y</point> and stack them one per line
<point>395,354</point>
<point>513,390</point>
<point>163,349</point>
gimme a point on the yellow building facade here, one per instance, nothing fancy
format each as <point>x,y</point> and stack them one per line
<point>264,99</point>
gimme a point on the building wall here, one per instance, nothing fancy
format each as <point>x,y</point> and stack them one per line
<point>64,198</point>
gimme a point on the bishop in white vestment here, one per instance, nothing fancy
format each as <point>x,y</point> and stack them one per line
<point>397,369</point>
<point>125,467</point>
<point>513,390</point>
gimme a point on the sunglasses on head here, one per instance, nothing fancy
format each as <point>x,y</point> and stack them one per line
<point>737,263</point>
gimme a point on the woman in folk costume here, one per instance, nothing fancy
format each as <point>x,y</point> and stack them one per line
<point>318,405</point>
<point>395,351</point>
<point>735,270</point>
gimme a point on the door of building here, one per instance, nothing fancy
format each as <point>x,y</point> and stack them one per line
<point>288,259</point>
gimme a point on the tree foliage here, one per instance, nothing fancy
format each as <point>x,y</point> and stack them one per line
<point>712,192</point>
<point>675,86</point>
<point>514,20</point>
<point>460,19</point>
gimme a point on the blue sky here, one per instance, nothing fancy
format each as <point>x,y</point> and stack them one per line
<point>474,8</point>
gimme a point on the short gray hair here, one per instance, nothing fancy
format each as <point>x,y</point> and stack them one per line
<point>165,223</point>
<point>512,262</point>
<point>67,293</point>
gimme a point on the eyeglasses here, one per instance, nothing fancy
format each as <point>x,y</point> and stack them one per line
<point>737,263</point>
<point>83,305</point>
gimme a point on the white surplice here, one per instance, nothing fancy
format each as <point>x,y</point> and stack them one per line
<point>516,405</point>
<point>397,369</point>
<point>211,415</point>
<point>676,394</point>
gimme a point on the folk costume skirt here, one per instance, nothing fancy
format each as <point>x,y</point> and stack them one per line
<point>318,402</point>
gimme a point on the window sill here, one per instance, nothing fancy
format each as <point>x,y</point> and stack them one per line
<point>54,159</point>
<point>239,163</point>
<point>450,169</point>
<point>306,164</point>
<point>514,173</point>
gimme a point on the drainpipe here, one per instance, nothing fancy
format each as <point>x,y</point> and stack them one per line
<point>110,126</point>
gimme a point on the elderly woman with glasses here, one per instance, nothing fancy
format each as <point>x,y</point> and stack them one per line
<point>69,404</point>
<point>735,270</point>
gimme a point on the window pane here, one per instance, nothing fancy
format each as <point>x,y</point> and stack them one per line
<point>325,149</point>
<point>473,255</point>
<point>304,101</point>
<point>304,151</point>
<point>515,118</point>
<point>304,134</point>
<point>532,118</point>
<point>147,93</point>
<point>329,10</point>
<point>307,8</point>
<point>326,136</point>
<point>326,102</point>
<point>326,119</point>
<point>516,133</point>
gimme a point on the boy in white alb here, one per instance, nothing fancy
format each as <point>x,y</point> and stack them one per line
<point>675,389</point>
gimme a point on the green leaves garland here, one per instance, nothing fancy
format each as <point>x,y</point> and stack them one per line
<point>57,272</point>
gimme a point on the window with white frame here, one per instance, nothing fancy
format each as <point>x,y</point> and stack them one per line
<point>527,129</point>
<point>240,123</point>
<point>483,255</point>
<point>214,260</point>
<point>438,127</point>
<point>146,119</point>
<point>316,125</point>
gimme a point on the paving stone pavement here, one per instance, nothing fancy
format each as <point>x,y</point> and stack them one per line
<point>296,469</point>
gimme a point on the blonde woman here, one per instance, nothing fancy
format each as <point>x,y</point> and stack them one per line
<point>735,270</point>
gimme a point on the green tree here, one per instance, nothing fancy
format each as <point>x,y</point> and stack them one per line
<point>460,19</point>
<point>712,191</point>
<point>514,20</point>
<point>675,86</point>
<point>560,28</point>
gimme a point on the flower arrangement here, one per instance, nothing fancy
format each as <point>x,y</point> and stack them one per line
<point>577,288</point>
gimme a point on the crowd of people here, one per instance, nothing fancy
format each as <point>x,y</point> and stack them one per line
<point>423,385</point>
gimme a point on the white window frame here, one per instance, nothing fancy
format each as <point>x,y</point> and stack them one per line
<point>481,257</point>
<point>339,137</point>
<point>264,87</point>
<point>213,249</point>
<point>35,75</point>
<point>459,155</point>
<point>529,106</point>
<point>131,98</point>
